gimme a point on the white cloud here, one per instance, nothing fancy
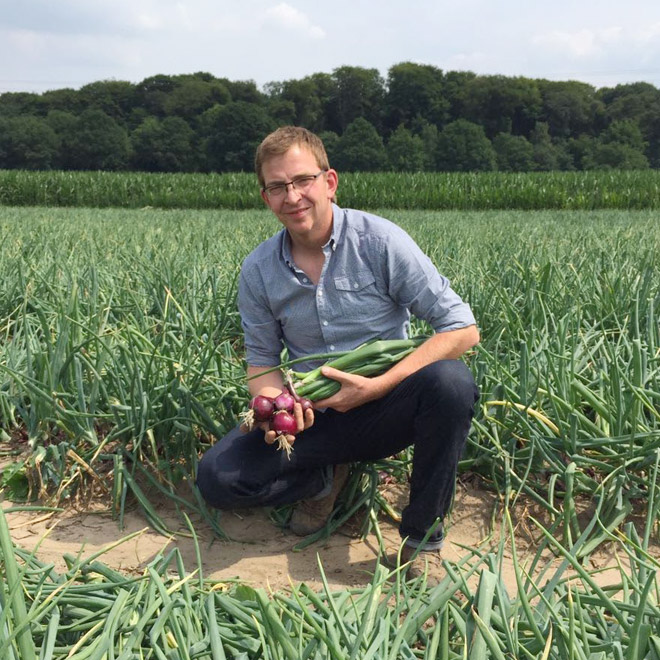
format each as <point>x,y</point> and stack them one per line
<point>587,42</point>
<point>650,32</point>
<point>290,18</point>
<point>582,43</point>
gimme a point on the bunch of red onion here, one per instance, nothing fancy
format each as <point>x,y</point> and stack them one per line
<point>278,412</point>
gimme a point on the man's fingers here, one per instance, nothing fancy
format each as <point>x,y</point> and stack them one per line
<point>269,437</point>
<point>309,417</point>
<point>336,374</point>
<point>299,417</point>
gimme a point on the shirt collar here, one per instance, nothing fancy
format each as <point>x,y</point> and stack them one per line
<point>338,222</point>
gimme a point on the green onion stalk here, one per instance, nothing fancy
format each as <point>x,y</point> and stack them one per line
<point>370,359</point>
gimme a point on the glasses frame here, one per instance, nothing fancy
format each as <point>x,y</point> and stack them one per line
<point>308,178</point>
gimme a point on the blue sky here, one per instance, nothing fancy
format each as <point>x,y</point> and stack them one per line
<point>50,44</point>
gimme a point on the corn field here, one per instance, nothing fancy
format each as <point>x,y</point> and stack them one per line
<point>121,361</point>
<point>585,190</point>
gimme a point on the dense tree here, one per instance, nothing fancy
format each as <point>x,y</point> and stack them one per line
<point>300,99</point>
<point>15,104</point>
<point>464,147</point>
<point>233,132</point>
<point>360,148</point>
<point>545,154</point>
<point>639,102</point>
<point>193,95</point>
<point>455,83</point>
<point>65,100</point>
<point>244,90</point>
<point>358,92</point>
<point>621,146</point>
<point>152,93</point>
<point>501,104</point>
<point>116,98</point>
<point>515,153</point>
<point>96,142</point>
<point>415,90</point>
<point>166,145</point>
<point>569,124</point>
<point>405,151</point>
<point>330,142</point>
<point>27,143</point>
<point>428,134</point>
<point>570,108</point>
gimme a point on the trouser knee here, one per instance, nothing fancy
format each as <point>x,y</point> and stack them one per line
<point>449,385</point>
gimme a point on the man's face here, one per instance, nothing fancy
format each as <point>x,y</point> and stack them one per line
<point>307,212</point>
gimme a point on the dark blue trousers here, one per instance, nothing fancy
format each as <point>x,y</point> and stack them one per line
<point>432,409</point>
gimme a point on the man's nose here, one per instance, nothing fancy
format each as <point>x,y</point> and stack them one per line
<point>291,192</point>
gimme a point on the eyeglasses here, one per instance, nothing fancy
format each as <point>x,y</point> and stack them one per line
<point>300,184</point>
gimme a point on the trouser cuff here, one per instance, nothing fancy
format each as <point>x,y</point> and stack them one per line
<point>428,546</point>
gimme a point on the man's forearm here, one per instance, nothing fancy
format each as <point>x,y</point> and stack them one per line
<point>269,384</point>
<point>441,346</point>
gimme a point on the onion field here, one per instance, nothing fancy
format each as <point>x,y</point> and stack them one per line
<point>121,360</point>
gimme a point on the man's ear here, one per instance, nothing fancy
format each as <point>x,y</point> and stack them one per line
<point>264,196</point>
<point>332,181</point>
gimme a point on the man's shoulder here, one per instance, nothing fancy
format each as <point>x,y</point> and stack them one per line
<point>263,253</point>
<point>369,224</point>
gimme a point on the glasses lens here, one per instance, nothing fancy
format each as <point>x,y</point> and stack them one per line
<point>301,184</point>
<point>275,191</point>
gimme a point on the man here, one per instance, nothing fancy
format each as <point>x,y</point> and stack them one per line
<point>329,281</point>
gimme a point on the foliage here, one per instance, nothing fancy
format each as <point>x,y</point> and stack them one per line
<point>121,361</point>
<point>421,97</point>
<point>464,147</point>
<point>360,149</point>
<point>27,143</point>
<point>405,151</point>
<point>620,189</point>
<point>514,153</point>
<point>233,133</point>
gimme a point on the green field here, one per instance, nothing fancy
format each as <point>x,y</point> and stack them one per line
<point>595,189</point>
<point>121,346</point>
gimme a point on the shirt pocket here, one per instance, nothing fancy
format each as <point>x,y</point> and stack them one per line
<point>357,294</point>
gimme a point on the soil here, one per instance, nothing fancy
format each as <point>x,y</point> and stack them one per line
<point>262,554</point>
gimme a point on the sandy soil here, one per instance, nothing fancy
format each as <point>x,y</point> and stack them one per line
<point>261,553</point>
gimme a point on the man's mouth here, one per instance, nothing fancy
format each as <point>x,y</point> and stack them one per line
<point>296,213</point>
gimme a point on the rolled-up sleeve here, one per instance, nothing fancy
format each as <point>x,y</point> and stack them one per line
<point>415,283</point>
<point>262,332</point>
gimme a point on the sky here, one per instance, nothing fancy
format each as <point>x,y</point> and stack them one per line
<point>52,44</point>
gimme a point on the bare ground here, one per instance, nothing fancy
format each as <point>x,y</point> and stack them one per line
<point>262,554</point>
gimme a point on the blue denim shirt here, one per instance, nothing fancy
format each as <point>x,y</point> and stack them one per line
<point>374,277</point>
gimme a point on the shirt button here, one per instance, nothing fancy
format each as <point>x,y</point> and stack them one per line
<point>320,294</point>
<point>355,285</point>
<point>332,347</point>
<point>325,323</point>
<point>305,280</point>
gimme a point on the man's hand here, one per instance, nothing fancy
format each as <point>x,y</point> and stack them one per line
<point>303,421</point>
<point>355,390</point>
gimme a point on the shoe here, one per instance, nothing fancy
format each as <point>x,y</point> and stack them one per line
<point>311,515</point>
<point>426,562</point>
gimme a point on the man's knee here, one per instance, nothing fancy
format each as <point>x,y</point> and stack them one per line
<point>216,486</point>
<point>450,384</point>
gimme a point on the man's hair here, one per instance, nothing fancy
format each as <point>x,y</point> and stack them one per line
<point>281,140</point>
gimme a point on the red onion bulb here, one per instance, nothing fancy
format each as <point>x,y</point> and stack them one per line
<point>284,401</point>
<point>284,423</point>
<point>263,407</point>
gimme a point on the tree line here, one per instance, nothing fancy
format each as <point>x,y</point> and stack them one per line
<point>418,118</point>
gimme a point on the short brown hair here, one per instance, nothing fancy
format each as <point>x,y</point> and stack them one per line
<point>282,139</point>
